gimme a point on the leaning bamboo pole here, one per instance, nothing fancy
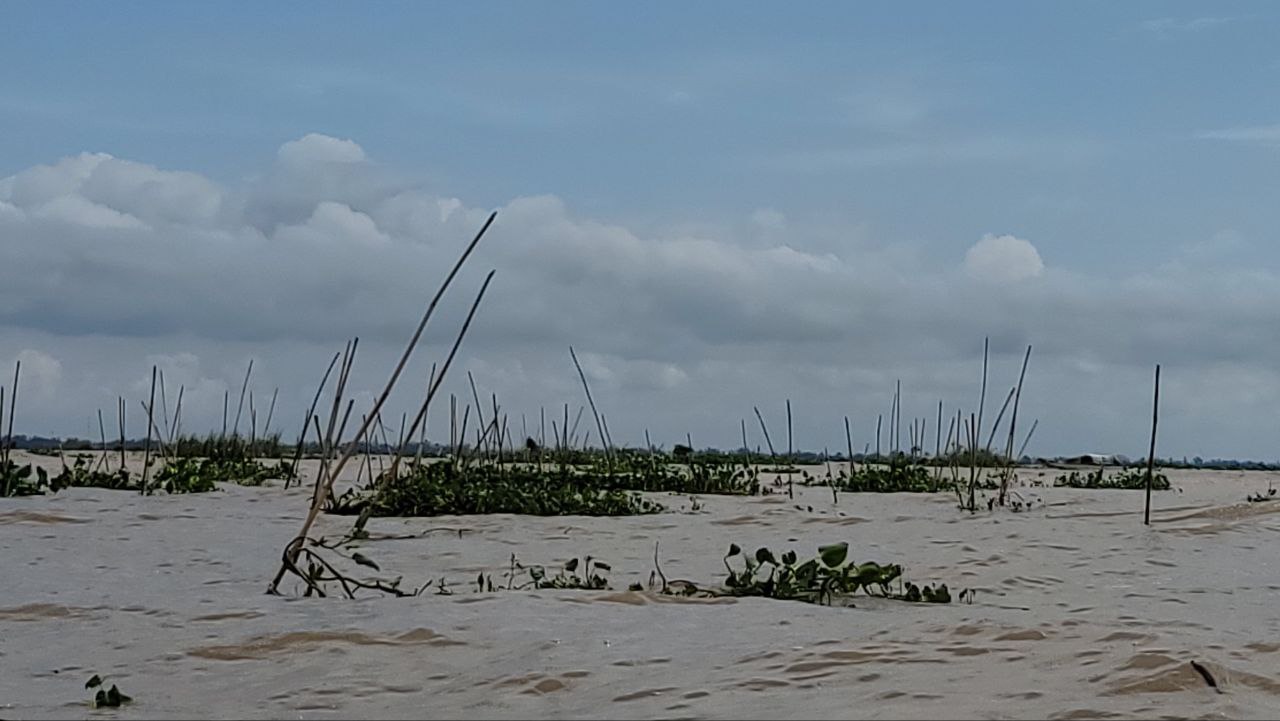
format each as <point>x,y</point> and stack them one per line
<point>293,548</point>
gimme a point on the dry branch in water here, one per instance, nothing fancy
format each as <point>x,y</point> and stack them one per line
<point>328,473</point>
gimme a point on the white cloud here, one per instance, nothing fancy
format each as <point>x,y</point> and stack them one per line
<point>109,266</point>
<point>315,148</point>
<point>1003,258</point>
<point>81,211</point>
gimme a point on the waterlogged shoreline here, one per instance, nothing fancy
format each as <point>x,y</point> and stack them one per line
<point>1080,611</point>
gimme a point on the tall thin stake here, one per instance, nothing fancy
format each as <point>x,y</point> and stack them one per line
<point>608,454</point>
<point>146,449</point>
<point>1151,457</point>
<point>848,441</point>
<point>294,546</point>
<point>765,431</point>
<point>790,448</point>
<point>13,401</point>
<point>120,404</point>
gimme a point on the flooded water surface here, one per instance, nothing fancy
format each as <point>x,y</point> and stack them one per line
<point>1080,610</point>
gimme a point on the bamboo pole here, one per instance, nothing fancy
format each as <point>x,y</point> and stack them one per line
<point>608,452</point>
<point>1151,456</point>
<point>240,405</point>
<point>13,403</point>
<point>294,546</point>
<point>146,449</point>
<point>848,441</point>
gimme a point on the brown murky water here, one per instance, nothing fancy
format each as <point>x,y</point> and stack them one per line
<point>1080,611</point>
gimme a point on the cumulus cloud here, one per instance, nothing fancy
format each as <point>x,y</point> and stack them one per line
<point>108,266</point>
<point>314,149</point>
<point>1003,258</point>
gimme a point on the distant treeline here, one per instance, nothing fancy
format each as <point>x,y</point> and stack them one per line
<point>191,446</point>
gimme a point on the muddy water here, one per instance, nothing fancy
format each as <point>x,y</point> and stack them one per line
<point>1080,611</point>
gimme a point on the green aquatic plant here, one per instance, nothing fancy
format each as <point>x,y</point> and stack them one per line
<point>436,489</point>
<point>201,475</point>
<point>1132,479</point>
<point>568,576</point>
<point>826,578</point>
<point>82,474</point>
<point>178,475</point>
<point>891,478</point>
<point>184,475</point>
<point>1260,497</point>
<point>106,698</point>
<point>24,480</point>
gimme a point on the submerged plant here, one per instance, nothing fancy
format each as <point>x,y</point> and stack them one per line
<point>1132,479</point>
<point>16,480</point>
<point>435,489</point>
<point>106,698</point>
<point>82,474</point>
<point>892,478</point>
<point>200,475</point>
<point>568,577</point>
<point>826,578</point>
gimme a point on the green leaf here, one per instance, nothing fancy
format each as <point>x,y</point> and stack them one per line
<point>603,566</point>
<point>537,573</point>
<point>571,566</point>
<point>733,550</point>
<point>764,555</point>
<point>789,558</point>
<point>834,555</point>
<point>93,682</point>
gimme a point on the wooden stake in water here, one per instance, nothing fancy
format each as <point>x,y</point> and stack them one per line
<point>790,447</point>
<point>120,413</point>
<point>146,449</point>
<point>848,441</point>
<point>13,403</point>
<point>1151,457</point>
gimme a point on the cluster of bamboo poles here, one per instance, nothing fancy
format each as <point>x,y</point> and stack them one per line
<point>334,455</point>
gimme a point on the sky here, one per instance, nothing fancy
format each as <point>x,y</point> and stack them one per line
<point>718,205</point>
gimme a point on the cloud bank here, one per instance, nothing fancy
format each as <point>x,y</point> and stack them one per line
<point>108,266</point>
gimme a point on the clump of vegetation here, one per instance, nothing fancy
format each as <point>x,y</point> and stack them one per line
<point>826,578</point>
<point>106,698</point>
<point>82,474</point>
<point>657,474</point>
<point>820,579</point>
<point>535,576</point>
<point>1260,497</point>
<point>1132,479</point>
<point>438,489</point>
<point>185,475</point>
<point>198,475</point>
<point>16,480</point>
<point>893,478</point>
<point>177,475</point>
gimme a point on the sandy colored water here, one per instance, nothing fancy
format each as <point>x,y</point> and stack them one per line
<point>1080,611</point>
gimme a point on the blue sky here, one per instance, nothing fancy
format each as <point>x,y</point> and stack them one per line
<point>1076,123</point>
<point>1115,138</point>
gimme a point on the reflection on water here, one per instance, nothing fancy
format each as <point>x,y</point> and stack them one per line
<point>1081,612</point>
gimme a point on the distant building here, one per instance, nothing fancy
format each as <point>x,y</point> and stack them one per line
<point>1098,459</point>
